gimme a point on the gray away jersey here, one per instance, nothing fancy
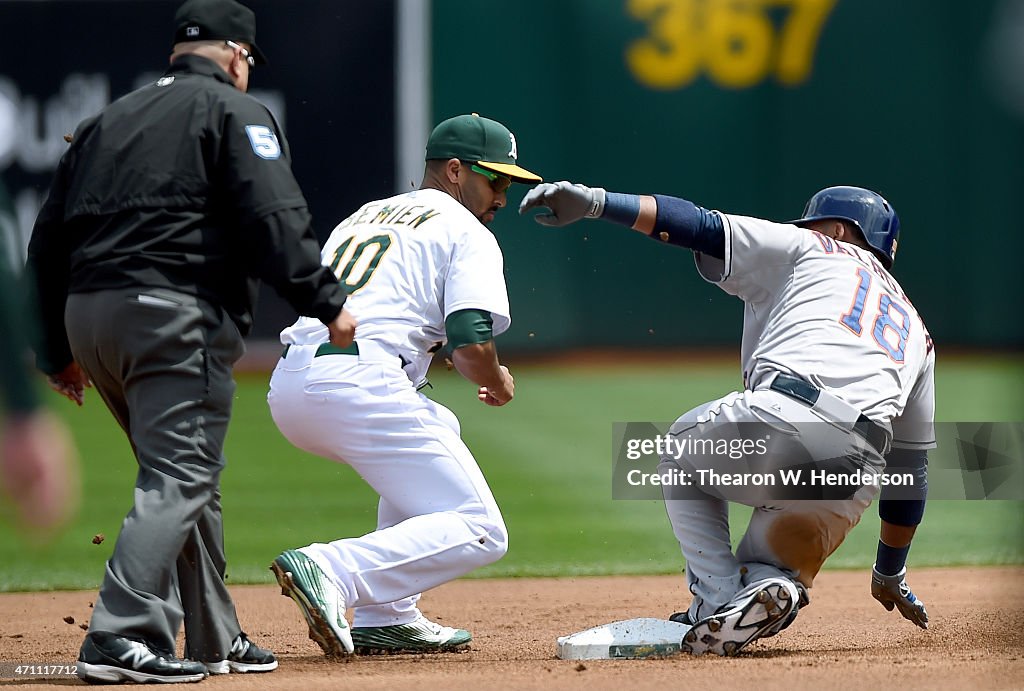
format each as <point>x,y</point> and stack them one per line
<point>829,312</point>
<point>409,262</point>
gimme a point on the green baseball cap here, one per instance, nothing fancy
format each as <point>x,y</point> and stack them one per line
<point>479,140</point>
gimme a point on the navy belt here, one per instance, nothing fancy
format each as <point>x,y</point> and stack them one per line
<point>329,349</point>
<point>804,391</point>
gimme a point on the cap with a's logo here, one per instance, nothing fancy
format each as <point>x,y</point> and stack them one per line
<point>479,140</point>
<point>204,20</point>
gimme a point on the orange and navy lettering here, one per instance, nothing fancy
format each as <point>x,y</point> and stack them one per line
<point>891,327</point>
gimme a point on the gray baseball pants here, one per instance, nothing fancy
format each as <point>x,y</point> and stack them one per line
<point>788,537</point>
<point>162,362</point>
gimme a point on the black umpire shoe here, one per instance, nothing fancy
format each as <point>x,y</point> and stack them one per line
<point>245,656</point>
<point>107,658</point>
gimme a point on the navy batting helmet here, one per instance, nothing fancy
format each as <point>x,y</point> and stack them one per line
<point>867,210</point>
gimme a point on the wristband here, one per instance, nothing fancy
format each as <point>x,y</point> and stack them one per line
<point>596,208</point>
<point>620,208</point>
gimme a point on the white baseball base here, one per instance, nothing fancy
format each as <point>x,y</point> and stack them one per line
<point>628,639</point>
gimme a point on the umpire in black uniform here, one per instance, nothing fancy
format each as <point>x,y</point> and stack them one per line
<point>164,213</point>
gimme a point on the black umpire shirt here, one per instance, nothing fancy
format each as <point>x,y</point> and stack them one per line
<point>183,184</point>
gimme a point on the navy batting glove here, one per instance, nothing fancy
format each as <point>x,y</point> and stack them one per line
<point>893,592</point>
<point>566,202</point>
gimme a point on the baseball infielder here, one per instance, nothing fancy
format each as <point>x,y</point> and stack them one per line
<point>838,378</point>
<point>421,269</point>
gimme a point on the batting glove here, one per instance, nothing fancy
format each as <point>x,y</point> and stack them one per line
<point>566,202</point>
<point>893,592</point>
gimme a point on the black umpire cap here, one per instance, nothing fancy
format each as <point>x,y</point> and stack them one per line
<point>204,20</point>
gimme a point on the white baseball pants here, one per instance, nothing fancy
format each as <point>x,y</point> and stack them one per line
<point>437,518</point>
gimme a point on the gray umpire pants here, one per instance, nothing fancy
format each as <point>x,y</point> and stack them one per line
<point>162,362</point>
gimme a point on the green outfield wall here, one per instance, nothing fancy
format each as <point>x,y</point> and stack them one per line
<point>748,107</point>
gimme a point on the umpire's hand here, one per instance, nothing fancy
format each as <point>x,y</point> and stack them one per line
<point>566,202</point>
<point>71,383</point>
<point>342,329</point>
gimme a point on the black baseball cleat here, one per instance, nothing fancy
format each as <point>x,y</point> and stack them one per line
<point>244,656</point>
<point>681,618</point>
<point>748,617</point>
<point>106,658</point>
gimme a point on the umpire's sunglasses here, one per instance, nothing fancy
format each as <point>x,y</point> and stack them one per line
<point>249,58</point>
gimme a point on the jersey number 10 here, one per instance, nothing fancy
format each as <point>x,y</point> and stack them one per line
<point>887,308</point>
<point>355,262</point>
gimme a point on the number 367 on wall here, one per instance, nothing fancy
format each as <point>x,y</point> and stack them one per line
<point>737,43</point>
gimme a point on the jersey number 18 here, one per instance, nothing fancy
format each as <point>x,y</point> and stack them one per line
<point>892,316</point>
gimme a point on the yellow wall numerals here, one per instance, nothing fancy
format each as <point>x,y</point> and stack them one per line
<point>734,41</point>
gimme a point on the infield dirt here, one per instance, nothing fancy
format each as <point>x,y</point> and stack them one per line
<point>844,639</point>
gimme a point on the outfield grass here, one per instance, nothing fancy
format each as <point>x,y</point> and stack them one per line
<point>548,459</point>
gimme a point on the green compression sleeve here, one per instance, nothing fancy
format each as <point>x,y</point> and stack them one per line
<point>468,327</point>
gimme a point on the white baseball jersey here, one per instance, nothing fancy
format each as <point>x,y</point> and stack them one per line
<point>829,312</point>
<point>409,262</point>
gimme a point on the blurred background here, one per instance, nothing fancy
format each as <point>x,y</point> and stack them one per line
<point>747,106</point>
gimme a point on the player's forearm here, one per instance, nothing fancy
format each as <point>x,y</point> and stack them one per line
<point>901,505</point>
<point>668,219</point>
<point>899,512</point>
<point>478,362</point>
<point>896,535</point>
